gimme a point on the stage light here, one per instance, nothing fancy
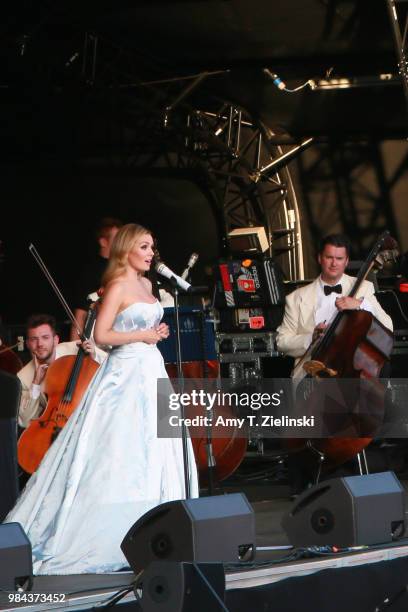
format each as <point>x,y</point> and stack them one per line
<point>248,239</point>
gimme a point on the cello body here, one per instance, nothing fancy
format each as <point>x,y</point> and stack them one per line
<point>9,360</point>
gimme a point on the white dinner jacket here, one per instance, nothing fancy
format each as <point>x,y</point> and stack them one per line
<point>295,333</point>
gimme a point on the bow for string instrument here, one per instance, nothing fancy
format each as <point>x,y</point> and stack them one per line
<point>65,383</point>
<point>354,346</point>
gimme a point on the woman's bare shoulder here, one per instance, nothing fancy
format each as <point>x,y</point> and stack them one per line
<point>115,288</point>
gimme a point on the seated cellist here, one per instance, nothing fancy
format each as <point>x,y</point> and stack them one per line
<point>43,343</point>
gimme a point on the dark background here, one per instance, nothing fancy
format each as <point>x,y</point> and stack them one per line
<point>81,133</point>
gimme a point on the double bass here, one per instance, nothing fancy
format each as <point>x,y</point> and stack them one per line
<point>355,346</point>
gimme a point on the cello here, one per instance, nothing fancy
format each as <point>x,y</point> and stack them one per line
<point>217,456</point>
<point>66,381</point>
<point>355,346</point>
<point>219,448</point>
<point>70,378</point>
<point>9,361</point>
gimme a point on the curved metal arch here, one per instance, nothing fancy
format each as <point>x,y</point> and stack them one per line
<point>251,198</point>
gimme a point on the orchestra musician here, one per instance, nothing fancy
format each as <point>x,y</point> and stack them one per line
<point>90,280</point>
<point>310,309</point>
<point>42,341</point>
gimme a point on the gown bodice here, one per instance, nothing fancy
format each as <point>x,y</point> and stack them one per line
<point>140,315</point>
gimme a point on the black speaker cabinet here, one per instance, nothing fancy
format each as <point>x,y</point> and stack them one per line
<point>203,530</point>
<point>352,511</point>
<point>183,587</point>
<point>16,567</point>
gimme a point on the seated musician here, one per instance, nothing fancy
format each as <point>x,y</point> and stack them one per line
<point>310,309</point>
<point>43,343</point>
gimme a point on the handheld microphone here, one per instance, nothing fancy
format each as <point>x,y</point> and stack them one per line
<point>162,269</point>
<point>277,81</point>
<point>191,262</point>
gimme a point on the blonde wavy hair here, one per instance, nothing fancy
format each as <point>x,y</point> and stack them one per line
<point>122,244</point>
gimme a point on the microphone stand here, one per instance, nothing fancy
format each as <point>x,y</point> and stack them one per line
<point>174,284</point>
<point>181,378</point>
<point>211,463</point>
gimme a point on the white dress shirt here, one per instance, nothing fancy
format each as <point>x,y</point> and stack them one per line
<point>326,308</point>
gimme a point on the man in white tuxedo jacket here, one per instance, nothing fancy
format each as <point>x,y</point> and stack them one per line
<point>309,310</point>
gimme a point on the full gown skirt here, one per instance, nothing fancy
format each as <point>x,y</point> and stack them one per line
<point>107,467</point>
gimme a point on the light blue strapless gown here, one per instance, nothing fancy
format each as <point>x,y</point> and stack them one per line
<point>107,467</point>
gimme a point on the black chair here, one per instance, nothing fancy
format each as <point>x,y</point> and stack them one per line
<point>10,392</point>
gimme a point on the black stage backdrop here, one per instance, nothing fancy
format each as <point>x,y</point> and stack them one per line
<point>58,209</point>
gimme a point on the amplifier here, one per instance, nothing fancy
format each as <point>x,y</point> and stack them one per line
<point>250,320</point>
<point>400,342</point>
<point>248,283</point>
<point>235,346</point>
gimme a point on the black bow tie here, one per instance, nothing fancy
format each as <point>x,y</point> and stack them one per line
<point>328,289</point>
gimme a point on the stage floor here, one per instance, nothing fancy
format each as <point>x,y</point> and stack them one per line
<point>83,592</point>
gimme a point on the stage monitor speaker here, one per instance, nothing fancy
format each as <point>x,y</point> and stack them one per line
<point>351,511</point>
<point>204,530</point>
<point>183,587</point>
<point>16,566</point>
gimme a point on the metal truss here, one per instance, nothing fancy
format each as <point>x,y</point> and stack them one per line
<point>253,180</point>
<point>398,12</point>
<point>345,188</point>
<point>235,162</point>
